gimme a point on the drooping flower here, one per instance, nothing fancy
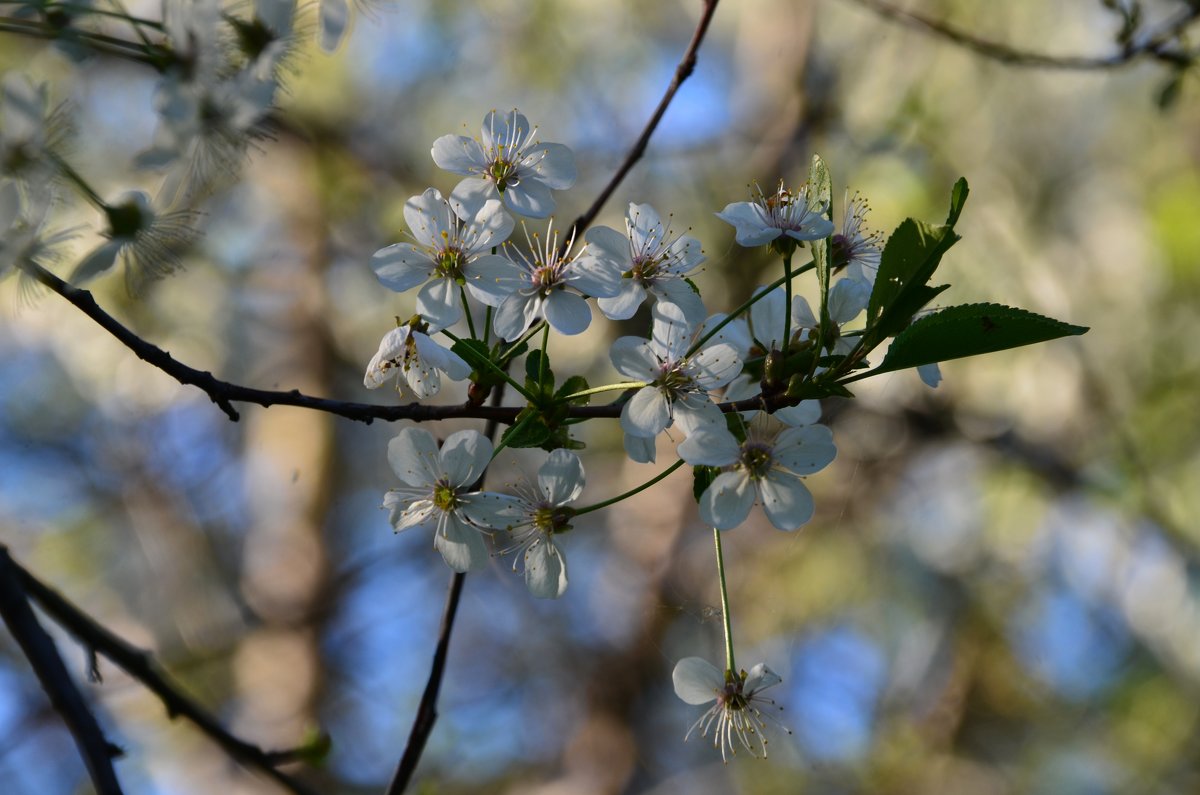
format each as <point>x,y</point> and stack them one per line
<point>537,514</point>
<point>452,250</point>
<point>150,243</point>
<point>542,277</point>
<point>651,261</point>
<point>766,467</point>
<point>436,495</point>
<point>740,714</point>
<point>857,248</point>
<point>784,213</point>
<point>415,359</point>
<point>507,162</point>
<point>677,384</point>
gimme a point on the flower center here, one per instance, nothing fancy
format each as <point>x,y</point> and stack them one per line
<point>550,519</point>
<point>756,459</point>
<point>445,497</point>
<point>841,251</point>
<point>547,277</point>
<point>503,173</point>
<point>126,220</point>
<point>450,261</point>
<point>644,269</point>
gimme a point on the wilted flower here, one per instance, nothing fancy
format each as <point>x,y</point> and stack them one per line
<point>451,251</point>
<point>650,260</point>
<point>508,162</point>
<point>415,359</point>
<point>782,214</point>
<point>741,713</point>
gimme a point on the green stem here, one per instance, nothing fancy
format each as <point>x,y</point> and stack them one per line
<point>462,292</point>
<point>787,301</point>
<point>528,335</point>
<point>730,665</point>
<point>510,434</point>
<point>499,371</point>
<point>542,361</point>
<point>631,492</point>
<point>741,310</point>
<point>487,325</point>
<point>607,388</point>
<point>74,178</point>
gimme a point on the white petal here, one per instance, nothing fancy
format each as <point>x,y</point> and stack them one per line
<point>710,447</point>
<point>786,500</point>
<point>554,165</point>
<point>458,154</point>
<point>640,449</point>
<point>561,477</point>
<point>474,192</point>
<point>406,512</point>
<point>530,198</point>
<point>804,450</point>
<point>760,678</point>
<point>428,216</point>
<point>697,681</point>
<point>413,455</point>
<point>567,313</point>
<point>510,319</point>
<point>625,303</point>
<point>509,129</point>
<point>802,314</point>
<point>632,357</point>
<point>465,455</point>
<point>492,278</point>
<point>681,295</point>
<point>748,224</point>
<point>442,358</point>
<point>461,544</point>
<point>401,266</point>
<point>492,510</point>
<point>814,227</point>
<point>100,260</point>
<point>439,303</point>
<point>766,318</point>
<point>610,245</point>
<point>847,299</point>
<point>545,569</point>
<point>726,503</point>
<point>647,412</point>
<point>594,277</point>
<point>806,412</point>
<point>716,365</point>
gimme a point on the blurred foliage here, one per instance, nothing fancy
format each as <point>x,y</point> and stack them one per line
<point>998,595</point>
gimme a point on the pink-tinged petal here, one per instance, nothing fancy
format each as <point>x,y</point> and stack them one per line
<point>492,510</point>
<point>760,678</point>
<point>428,216</point>
<point>545,569</point>
<point>697,681</point>
<point>726,503</point>
<point>530,198</point>
<point>804,450</point>
<point>492,278</point>
<point>465,455</point>
<point>633,358</point>
<point>413,455</point>
<point>749,227</point>
<point>461,544</point>
<point>647,413</point>
<point>806,412</point>
<point>459,154</point>
<point>568,313</point>
<point>624,304</point>
<point>786,500</point>
<point>561,477</point>
<point>439,303</point>
<point>554,165</point>
<point>401,266</point>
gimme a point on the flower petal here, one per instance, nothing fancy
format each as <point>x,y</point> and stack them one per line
<point>567,313</point>
<point>727,501</point>
<point>492,278</point>
<point>545,569</point>
<point>401,266</point>
<point>710,446</point>
<point>465,455</point>
<point>461,544</point>
<point>697,681</point>
<point>530,198</point>
<point>492,510</point>
<point>806,412</point>
<point>554,165</point>
<point>413,455</point>
<point>647,413</point>
<point>625,303</point>
<point>459,154</point>
<point>439,303</point>
<point>786,500</point>
<point>561,477</point>
<point>760,678</point>
<point>847,299</point>
<point>805,450</point>
<point>750,228</point>
<point>632,357</point>
<point>407,511</point>
<point>640,449</point>
<point>428,216</point>
<point>510,320</point>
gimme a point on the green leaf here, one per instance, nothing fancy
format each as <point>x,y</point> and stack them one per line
<point>530,430</point>
<point>958,197</point>
<point>820,192</point>
<point>539,378</point>
<point>970,330</point>
<point>702,478</point>
<point>575,383</point>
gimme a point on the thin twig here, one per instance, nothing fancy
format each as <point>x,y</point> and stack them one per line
<point>1155,45</point>
<point>142,667</point>
<point>682,72</point>
<point>97,752</point>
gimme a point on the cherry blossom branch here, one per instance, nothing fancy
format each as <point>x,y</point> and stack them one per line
<point>1156,45</point>
<point>682,72</point>
<point>96,750</point>
<point>98,639</point>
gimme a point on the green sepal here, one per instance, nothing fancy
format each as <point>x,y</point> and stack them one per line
<point>815,390</point>
<point>970,330</point>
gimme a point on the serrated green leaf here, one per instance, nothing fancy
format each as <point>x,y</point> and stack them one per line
<point>970,330</point>
<point>528,431</point>
<point>575,383</point>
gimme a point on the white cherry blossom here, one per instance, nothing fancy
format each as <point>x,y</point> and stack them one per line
<point>508,162</point>
<point>451,248</point>
<point>784,213</point>
<point>857,248</point>
<point>436,495</point>
<point>740,714</point>
<point>651,261</point>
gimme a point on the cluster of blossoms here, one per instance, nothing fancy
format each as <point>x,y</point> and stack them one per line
<point>465,265</point>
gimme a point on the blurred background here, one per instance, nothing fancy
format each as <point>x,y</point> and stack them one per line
<point>998,593</point>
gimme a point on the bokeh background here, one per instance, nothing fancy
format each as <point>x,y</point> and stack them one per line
<point>998,593</point>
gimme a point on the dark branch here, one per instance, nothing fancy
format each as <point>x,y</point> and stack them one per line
<point>65,697</point>
<point>141,666</point>
<point>1160,45</point>
<point>682,72</point>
